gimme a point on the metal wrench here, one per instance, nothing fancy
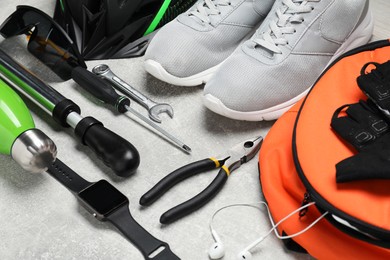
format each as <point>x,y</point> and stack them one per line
<point>154,108</point>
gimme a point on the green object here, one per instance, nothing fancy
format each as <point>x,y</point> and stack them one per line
<point>158,17</point>
<point>15,118</point>
<point>25,87</point>
<point>62,6</point>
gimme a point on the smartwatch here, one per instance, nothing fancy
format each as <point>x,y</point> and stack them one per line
<point>106,203</point>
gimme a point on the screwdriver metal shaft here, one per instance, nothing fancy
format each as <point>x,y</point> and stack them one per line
<point>106,93</point>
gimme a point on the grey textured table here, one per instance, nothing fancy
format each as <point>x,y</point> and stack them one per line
<point>40,219</point>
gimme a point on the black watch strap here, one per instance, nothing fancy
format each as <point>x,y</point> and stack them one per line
<point>145,242</point>
<point>68,177</point>
<point>120,217</point>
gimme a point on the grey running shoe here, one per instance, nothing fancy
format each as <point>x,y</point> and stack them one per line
<point>270,72</point>
<point>188,50</point>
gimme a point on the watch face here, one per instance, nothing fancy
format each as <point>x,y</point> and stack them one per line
<point>102,198</point>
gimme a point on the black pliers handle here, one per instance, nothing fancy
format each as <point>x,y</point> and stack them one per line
<point>181,174</point>
<point>234,158</point>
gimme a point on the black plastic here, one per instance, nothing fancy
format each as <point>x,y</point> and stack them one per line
<point>99,88</point>
<point>66,176</point>
<point>102,198</point>
<point>116,152</point>
<point>114,29</point>
<point>196,202</point>
<point>48,41</point>
<point>142,239</point>
<point>175,177</point>
<point>63,109</point>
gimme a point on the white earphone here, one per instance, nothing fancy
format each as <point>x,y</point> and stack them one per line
<point>245,254</point>
<point>217,250</point>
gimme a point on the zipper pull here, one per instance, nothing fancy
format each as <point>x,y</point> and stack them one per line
<point>306,200</point>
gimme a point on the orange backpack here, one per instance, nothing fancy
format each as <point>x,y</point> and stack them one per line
<point>297,162</point>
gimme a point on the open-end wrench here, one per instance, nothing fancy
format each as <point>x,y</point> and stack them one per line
<point>154,108</point>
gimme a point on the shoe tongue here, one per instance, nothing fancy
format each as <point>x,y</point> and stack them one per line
<point>263,51</point>
<point>260,49</point>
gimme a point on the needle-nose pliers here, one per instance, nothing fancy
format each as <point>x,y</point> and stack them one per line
<point>233,159</point>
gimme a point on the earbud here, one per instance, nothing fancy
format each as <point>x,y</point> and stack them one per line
<point>244,255</point>
<point>217,250</point>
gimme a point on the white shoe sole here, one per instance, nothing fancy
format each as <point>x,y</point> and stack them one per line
<point>154,68</point>
<point>360,36</point>
<point>215,105</point>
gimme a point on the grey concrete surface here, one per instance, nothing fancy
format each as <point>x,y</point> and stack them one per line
<point>40,219</point>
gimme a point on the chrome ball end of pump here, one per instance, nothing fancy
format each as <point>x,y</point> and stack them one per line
<point>34,151</point>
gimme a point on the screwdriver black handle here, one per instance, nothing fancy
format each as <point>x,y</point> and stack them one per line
<point>100,89</point>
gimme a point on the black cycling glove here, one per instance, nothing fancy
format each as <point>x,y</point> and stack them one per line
<point>376,85</point>
<point>365,128</point>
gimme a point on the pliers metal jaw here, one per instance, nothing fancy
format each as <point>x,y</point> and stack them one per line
<point>242,153</point>
<point>233,159</point>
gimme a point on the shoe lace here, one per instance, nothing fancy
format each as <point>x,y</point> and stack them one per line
<point>208,7</point>
<point>290,13</point>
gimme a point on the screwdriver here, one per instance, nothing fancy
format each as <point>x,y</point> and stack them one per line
<point>106,93</point>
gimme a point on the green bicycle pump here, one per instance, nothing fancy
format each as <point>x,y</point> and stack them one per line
<point>28,146</point>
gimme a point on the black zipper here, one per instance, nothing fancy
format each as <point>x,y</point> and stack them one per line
<point>382,236</point>
<point>306,200</point>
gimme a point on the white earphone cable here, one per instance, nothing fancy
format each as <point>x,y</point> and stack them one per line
<point>274,226</point>
<point>238,205</point>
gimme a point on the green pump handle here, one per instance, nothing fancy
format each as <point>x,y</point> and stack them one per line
<point>15,118</point>
<point>29,147</point>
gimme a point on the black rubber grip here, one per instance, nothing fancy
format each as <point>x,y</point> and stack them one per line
<point>175,177</point>
<point>63,109</point>
<point>196,202</point>
<point>116,152</point>
<point>99,88</point>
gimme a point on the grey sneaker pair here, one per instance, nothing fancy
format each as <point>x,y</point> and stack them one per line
<point>272,70</point>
